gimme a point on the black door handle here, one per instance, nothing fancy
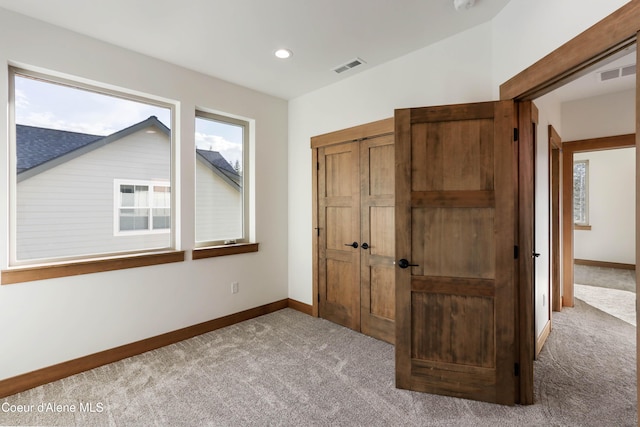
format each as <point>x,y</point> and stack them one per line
<point>403,263</point>
<point>535,255</point>
<point>365,245</point>
<point>353,245</point>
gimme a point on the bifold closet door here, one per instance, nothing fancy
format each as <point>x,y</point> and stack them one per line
<point>339,234</point>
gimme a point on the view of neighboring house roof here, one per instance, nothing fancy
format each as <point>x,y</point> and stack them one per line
<point>215,159</point>
<point>40,149</point>
<point>39,145</point>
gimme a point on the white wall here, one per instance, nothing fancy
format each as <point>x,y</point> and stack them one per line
<point>612,204</point>
<point>455,70</point>
<point>611,176</point>
<point>599,116</point>
<point>51,321</point>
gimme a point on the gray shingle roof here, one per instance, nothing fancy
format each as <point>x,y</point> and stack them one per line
<point>39,149</point>
<point>39,145</point>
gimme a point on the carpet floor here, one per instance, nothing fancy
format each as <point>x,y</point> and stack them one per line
<point>290,369</point>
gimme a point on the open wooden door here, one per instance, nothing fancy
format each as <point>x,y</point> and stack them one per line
<point>456,213</point>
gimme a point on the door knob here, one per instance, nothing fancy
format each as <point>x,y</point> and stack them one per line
<point>365,245</point>
<point>535,255</point>
<point>403,263</point>
<point>353,245</point>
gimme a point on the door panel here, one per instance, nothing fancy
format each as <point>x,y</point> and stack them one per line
<point>377,209</point>
<point>339,221</point>
<point>455,221</point>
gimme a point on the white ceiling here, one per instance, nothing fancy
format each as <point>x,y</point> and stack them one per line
<point>590,84</point>
<point>235,39</point>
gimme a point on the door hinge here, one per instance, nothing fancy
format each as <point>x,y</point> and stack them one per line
<point>516,134</point>
<point>318,297</point>
<point>516,369</point>
<point>318,166</point>
<point>318,230</point>
<point>516,252</point>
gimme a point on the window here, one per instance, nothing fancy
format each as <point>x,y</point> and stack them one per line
<point>581,192</point>
<point>142,207</point>
<point>221,180</point>
<point>70,142</point>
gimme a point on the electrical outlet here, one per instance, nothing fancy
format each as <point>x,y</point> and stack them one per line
<point>235,287</point>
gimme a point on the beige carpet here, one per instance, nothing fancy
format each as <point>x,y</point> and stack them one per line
<point>621,304</point>
<point>289,369</point>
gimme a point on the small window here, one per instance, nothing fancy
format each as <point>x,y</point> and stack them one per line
<point>142,207</point>
<point>581,192</point>
<point>69,143</point>
<point>221,180</point>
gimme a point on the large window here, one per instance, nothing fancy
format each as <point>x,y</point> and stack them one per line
<point>221,178</point>
<point>73,143</point>
<point>581,192</point>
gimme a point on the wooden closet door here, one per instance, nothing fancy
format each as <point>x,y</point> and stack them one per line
<point>339,227</point>
<point>377,274</point>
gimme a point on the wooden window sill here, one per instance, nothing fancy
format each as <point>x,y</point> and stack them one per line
<point>581,227</point>
<point>223,250</point>
<point>28,274</point>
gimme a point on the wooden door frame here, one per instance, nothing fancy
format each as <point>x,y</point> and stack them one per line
<point>355,133</point>
<point>569,148</point>
<point>555,224</point>
<point>607,40</point>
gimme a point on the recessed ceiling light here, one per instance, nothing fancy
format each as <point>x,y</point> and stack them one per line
<point>283,53</point>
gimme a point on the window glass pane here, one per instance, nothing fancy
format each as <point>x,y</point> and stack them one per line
<point>71,145</point>
<point>134,219</point>
<point>220,177</point>
<point>580,192</point>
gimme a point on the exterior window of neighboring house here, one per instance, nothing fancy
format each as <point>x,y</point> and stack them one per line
<point>221,180</point>
<point>142,207</point>
<point>70,142</point>
<point>581,192</point>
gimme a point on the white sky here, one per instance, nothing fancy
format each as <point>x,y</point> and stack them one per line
<point>54,106</point>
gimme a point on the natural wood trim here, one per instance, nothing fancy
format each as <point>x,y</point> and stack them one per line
<point>605,264</point>
<point>555,229</point>
<point>599,144</point>
<point>527,114</point>
<point>581,227</point>
<point>315,233</point>
<point>568,150</point>
<point>224,250</point>
<point>28,274</point>
<point>42,376</point>
<point>378,128</point>
<point>543,338</point>
<point>301,307</point>
<point>605,39</point>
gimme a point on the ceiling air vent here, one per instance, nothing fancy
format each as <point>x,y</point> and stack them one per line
<point>627,70</point>
<point>349,65</point>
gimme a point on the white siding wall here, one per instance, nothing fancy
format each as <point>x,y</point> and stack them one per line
<point>69,210</point>
<point>218,207</point>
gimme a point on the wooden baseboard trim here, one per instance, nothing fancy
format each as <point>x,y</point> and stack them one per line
<point>301,307</point>
<point>543,338</point>
<point>604,264</point>
<point>42,376</point>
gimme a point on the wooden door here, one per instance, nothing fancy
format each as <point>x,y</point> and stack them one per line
<point>456,201</point>
<point>377,276</point>
<point>339,227</point>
